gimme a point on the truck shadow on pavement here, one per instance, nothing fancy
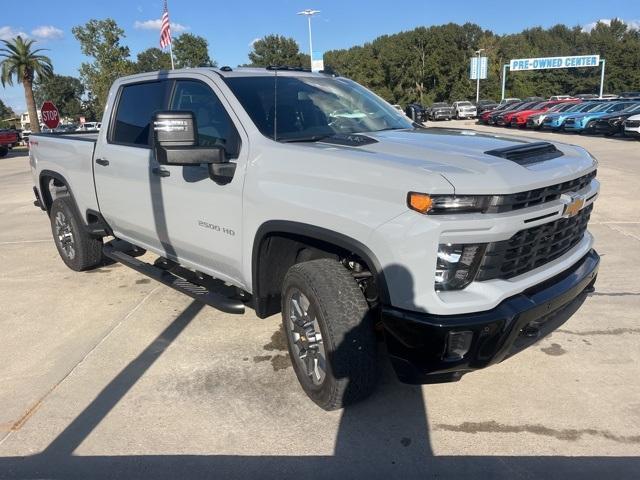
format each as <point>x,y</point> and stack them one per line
<point>386,436</point>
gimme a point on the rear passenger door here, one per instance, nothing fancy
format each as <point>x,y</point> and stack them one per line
<point>124,163</point>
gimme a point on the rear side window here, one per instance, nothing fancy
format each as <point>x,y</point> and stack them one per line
<point>137,104</point>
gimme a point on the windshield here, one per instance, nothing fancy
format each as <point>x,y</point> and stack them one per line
<point>286,108</point>
<point>633,108</point>
<point>465,104</point>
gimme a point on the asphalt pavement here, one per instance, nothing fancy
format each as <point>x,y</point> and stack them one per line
<point>106,374</point>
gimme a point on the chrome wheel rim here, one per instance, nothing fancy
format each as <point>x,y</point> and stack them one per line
<point>65,235</point>
<point>305,338</point>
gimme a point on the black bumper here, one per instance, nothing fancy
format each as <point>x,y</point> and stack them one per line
<point>417,342</point>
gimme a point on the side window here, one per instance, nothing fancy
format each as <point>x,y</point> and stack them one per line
<point>137,104</point>
<point>214,125</point>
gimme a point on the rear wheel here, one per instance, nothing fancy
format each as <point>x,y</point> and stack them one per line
<point>3,151</point>
<point>78,250</point>
<point>330,333</point>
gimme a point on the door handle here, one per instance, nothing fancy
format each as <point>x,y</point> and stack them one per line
<point>161,172</point>
<point>102,161</point>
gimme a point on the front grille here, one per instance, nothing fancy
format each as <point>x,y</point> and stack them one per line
<point>531,248</point>
<point>570,121</point>
<point>632,123</point>
<point>530,198</point>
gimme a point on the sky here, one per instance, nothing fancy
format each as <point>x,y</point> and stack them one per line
<point>231,26</point>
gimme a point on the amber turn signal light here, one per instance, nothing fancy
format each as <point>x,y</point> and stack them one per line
<point>420,202</point>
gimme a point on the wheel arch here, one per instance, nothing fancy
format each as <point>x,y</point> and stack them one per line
<point>266,291</point>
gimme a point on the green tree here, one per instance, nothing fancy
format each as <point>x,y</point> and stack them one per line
<point>22,62</point>
<point>6,113</point>
<point>152,59</point>
<point>65,92</point>
<point>277,50</point>
<point>191,51</point>
<point>100,39</point>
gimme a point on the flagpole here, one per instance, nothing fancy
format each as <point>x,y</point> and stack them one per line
<point>171,53</point>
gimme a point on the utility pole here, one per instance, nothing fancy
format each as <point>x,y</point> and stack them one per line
<point>309,13</point>
<point>478,52</point>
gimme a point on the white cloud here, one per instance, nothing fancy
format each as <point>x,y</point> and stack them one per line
<point>47,32</point>
<point>252,42</point>
<point>7,33</point>
<point>632,24</point>
<point>157,23</point>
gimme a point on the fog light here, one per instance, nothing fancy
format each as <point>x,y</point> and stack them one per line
<point>457,265</point>
<point>458,344</point>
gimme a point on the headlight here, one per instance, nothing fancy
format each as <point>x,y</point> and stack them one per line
<point>457,265</point>
<point>446,204</point>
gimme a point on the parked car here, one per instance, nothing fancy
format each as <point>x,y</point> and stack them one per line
<point>555,121</point>
<point>510,107</point>
<point>519,119</point>
<point>464,109</point>
<point>67,127</point>
<point>89,127</point>
<point>613,123</point>
<point>484,117</point>
<point>629,95</point>
<point>8,140</point>
<point>632,127</point>
<point>441,111</point>
<point>533,99</point>
<point>535,121</point>
<point>504,119</point>
<point>509,100</point>
<point>586,96</point>
<point>586,121</point>
<point>485,105</point>
<point>560,97</point>
<point>298,216</point>
<point>416,112</point>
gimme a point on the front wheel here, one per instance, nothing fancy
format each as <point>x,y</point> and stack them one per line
<point>78,250</point>
<point>330,333</point>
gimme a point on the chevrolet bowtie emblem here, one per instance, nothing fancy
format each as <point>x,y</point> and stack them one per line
<point>573,207</point>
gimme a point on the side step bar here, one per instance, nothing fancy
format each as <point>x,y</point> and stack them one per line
<point>183,285</point>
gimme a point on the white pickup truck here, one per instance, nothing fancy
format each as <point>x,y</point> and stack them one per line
<point>306,194</point>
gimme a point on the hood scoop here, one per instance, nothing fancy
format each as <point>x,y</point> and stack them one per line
<point>528,153</point>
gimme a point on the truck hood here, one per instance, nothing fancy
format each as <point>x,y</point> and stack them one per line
<point>459,156</point>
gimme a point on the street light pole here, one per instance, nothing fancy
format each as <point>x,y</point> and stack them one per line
<point>309,13</point>
<point>478,52</point>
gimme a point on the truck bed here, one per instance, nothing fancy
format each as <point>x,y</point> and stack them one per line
<point>70,156</point>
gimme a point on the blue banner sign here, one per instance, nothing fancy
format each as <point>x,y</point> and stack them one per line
<point>554,62</point>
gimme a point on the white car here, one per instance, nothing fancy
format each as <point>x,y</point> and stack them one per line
<point>89,127</point>
<point>464,109</point>
<point>632,126</point>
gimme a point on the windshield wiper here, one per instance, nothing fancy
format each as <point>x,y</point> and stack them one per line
<point>311,138</point>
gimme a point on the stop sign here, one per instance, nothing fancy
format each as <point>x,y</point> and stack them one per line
<point>50,115</point>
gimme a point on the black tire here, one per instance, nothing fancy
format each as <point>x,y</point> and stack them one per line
<point>3,151</point>
<point>85,252</point>
<point>346,325</point>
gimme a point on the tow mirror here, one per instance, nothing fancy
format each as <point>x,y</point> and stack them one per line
<point>176,143</point>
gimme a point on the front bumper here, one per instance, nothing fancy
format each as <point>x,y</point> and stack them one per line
<point>417,342</point>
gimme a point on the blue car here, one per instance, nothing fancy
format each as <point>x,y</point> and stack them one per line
<point>555,121</point>
<point>578,122</point>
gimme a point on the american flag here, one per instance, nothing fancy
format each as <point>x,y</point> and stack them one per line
<point>165,29</point>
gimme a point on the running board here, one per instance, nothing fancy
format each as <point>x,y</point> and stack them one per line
<point>166,277</point>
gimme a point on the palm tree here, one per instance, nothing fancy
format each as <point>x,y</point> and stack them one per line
<point>23,63</point>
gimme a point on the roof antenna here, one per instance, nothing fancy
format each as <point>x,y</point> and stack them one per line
<point>275,107</point>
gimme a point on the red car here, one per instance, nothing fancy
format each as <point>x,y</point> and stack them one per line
<point>8,139</point>
<point>519,119</point>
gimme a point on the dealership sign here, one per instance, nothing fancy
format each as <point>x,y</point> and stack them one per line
<point>554,62</point>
